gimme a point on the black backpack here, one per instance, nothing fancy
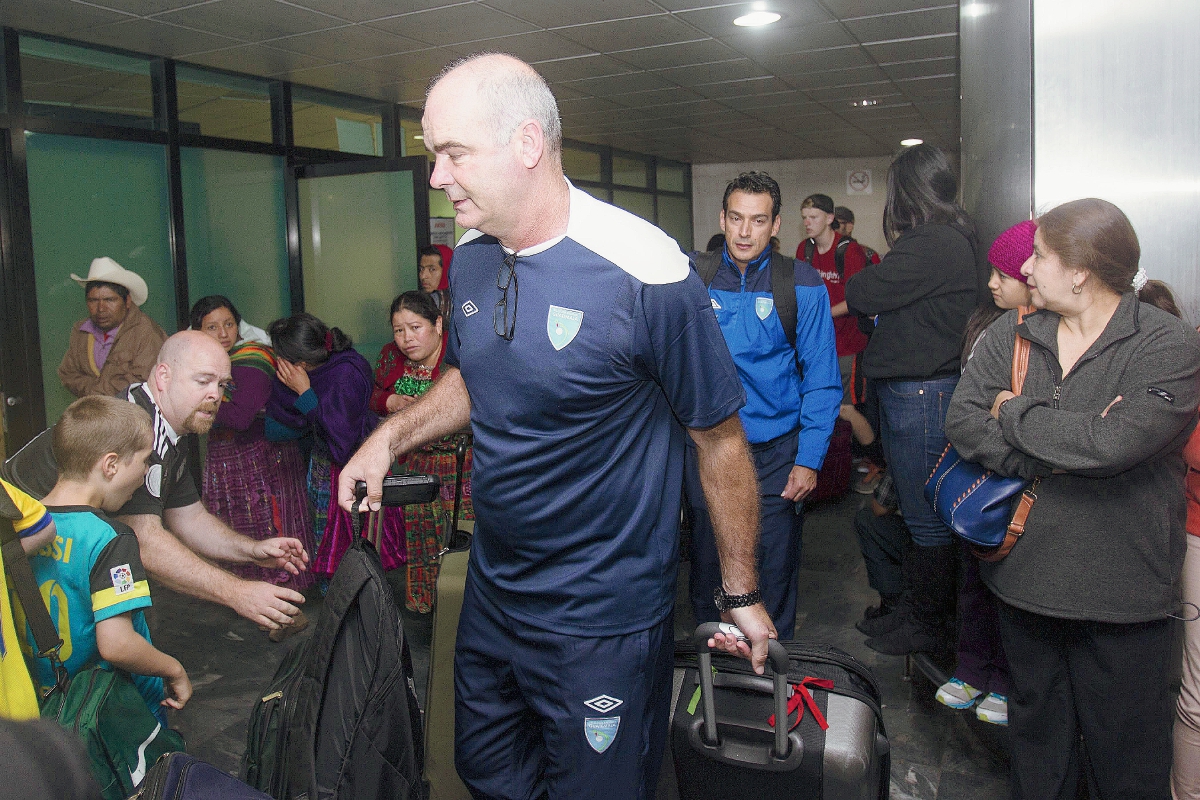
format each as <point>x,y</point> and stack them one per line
<point>783,286</point>
<point>340,719</point>
<point>839,253</point>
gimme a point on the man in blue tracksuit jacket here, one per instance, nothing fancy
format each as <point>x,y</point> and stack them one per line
<point>793,394</point>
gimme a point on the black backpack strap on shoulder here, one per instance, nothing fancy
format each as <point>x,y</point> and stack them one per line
<point>20,575</point>
<point>783,289</point>
<point>810,249</point>
<point>707,265</point>
<point>839,255</point>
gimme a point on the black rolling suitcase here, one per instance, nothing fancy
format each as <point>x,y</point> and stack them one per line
<point>811,729</point>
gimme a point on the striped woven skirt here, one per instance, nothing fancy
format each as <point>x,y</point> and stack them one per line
<point>256,487</point>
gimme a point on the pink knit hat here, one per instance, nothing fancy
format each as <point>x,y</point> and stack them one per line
<point>1013,248</point>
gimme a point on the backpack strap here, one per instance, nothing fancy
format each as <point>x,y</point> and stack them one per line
<point>839,255</point>
<point>783,289</point>
<point>810,249</point>
<point>707,265</point>
<point>783,286</point>
<point>20,575</point>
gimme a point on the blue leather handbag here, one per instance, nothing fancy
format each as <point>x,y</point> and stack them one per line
<point>986,509</point>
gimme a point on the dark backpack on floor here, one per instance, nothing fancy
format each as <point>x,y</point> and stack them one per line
<point>340,719</point>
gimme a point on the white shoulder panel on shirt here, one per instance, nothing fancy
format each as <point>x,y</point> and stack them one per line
<point>628,241</point>
<point>470,235</point>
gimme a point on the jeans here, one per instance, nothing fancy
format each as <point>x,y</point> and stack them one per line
<point>912,421</point>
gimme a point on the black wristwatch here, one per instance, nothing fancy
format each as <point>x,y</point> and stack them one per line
<point>725,602</point>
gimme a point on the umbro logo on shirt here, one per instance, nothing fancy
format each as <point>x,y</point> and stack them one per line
<point>469,308</point>
<point>716,306</point>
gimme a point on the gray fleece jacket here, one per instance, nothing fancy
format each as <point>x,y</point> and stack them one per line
<point>1105,539</point>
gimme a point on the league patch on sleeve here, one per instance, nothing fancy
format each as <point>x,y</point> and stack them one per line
<point>122,579</point>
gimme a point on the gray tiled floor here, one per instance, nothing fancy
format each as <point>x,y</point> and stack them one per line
<point>936,752</point>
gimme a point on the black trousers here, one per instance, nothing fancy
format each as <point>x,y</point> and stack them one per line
<point>1091,701</point>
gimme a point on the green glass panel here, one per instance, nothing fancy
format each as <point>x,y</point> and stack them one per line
<point>598,192</point>
<point>581,165</point>
<point>412,140</point>
<point>675,217</point>
<point>629,171</point>
<point>440,206</point>
<point>318,122</point>
<point>669,177</point>
<point>231,106</point>
<point>235,226</point>
<point>83,85</point>
<point>358,249</point>
<point>638,203</point>
<point>89,198</point>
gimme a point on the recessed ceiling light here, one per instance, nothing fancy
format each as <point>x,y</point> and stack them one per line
<point>756,18</point>
<point>910,142</point>
<point>418,137</point>
<point>974,9</point>
<point>864,103</point>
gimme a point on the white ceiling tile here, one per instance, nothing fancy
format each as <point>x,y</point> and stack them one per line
<point>657,97</point>
<point>905,24</point>
<point>939,46</point>
<point>817,60</point>
<point>737,69</point>
<point>141,7</point>
<point>350,43</point>
<point>768,42</point>
<point>557,13</point>
<point>56,17</point>
<point>609,37</point>
<point>409,66</point>
<point>155,38</point>
<point>533,47</point>
<point>256,59</point>
<point>619,84</point>
<point>899,70</point>
<point>741,88</point>
<point>249,20</point>
<point>846,9</point>
<point>571,69</point>
<point>681,54</point>
<point>456,24</point>
<point>363,10</point>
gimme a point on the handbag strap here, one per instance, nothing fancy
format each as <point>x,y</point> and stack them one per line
<point>1016,526</point>
<point>1020,360</point>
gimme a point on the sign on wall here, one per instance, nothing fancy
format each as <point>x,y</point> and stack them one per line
<point>858,181</point>
<point>441,231</point>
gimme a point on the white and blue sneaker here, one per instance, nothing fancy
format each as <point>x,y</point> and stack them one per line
<point>993,709</point>
<point>957,695</point>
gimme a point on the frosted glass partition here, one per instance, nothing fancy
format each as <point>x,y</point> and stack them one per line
<point>89,198</point>
<point>629,172</point>
<point>582,165</point>
<point>236,230</point>
<point>358,250</point>
<point>231,106</point>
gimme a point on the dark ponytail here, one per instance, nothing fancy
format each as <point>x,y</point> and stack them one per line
<point>303,337</point>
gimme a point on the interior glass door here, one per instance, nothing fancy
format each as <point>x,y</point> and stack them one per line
<point>361,224</point>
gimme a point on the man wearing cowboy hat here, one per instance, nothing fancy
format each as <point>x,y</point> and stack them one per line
<point>117,344</point>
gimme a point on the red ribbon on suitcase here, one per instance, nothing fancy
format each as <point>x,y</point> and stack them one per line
<point>801,698</point>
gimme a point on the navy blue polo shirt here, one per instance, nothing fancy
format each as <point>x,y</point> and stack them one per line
<point>579,420</point>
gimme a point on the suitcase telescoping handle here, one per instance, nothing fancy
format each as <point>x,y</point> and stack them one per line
<point>778,657</point>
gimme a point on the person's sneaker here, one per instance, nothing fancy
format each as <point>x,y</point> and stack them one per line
<point>993,709</point>
<point>958,695</point>
<point>866,481</point>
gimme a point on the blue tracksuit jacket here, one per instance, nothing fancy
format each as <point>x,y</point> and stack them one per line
<point>786,389</point>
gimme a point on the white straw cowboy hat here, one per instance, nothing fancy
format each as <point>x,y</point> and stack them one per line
<point>109,271</point>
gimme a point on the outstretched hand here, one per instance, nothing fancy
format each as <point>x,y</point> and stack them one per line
<point>280,553</point>
<point>266,604</point>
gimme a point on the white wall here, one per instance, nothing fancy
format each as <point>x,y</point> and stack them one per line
<point>1117,115</point>
<point>797,179</point>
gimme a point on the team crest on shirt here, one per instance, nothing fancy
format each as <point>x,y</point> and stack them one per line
<point>561,325</point>
<point>763,306</point>
<point>122,579</point>
<point>154,480</point>
<point>600,731</point>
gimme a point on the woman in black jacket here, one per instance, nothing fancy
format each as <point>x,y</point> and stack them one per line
<point>1108,402</point>
<point>922,294</point>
